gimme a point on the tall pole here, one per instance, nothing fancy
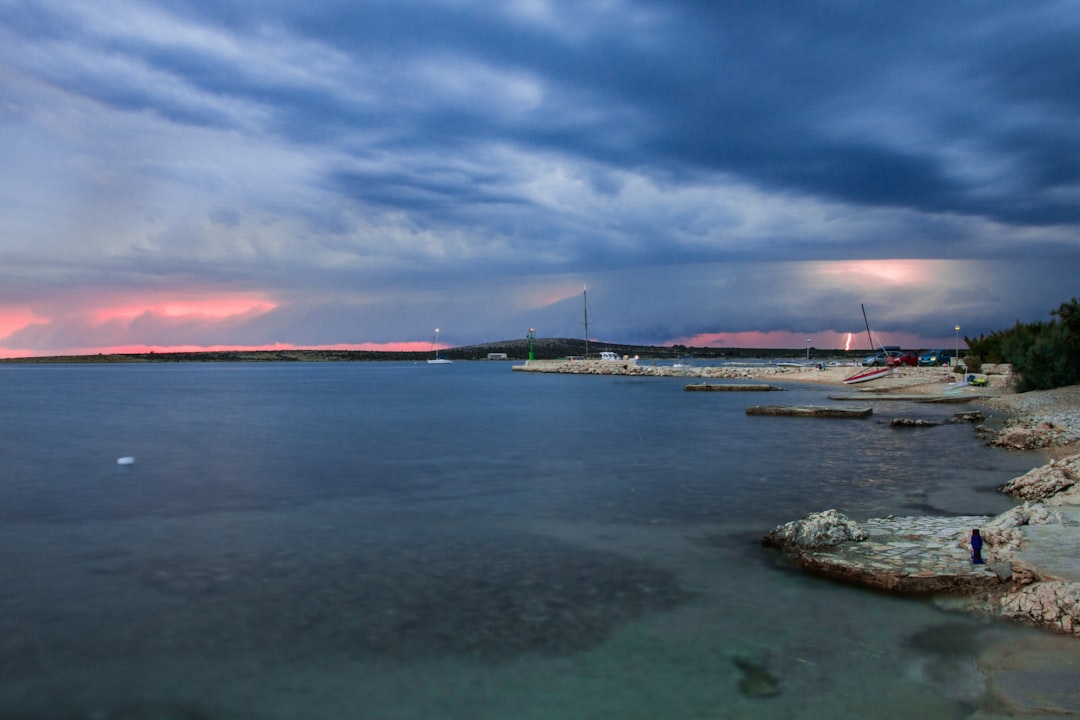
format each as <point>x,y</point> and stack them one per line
<point>585,297</point>
<point>867,327</point>
<point>956,354</point>
<point>808,349</point>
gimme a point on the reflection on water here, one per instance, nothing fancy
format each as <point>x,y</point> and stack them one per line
<point>343,541</point>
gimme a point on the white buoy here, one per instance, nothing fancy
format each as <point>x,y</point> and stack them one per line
<point>125,460</point>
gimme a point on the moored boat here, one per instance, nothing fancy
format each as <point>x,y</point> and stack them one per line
<point>872,373</point>
<point>435,346</point>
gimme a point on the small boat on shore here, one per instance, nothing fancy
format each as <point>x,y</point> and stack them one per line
<point>871,373</point>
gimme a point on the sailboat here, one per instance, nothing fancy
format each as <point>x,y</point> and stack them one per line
<point>870,373</point>
<point>585,300</point>
<point>436,360</point>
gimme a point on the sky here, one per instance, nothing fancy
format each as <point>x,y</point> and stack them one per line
<point>218,174</point>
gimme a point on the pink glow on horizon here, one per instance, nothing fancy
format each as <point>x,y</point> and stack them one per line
<point>405,346</point>
<point>546,296</point>
<point>14,319</point>
<point>216,308</point>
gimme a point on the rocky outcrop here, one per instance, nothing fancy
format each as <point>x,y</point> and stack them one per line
<point>816,530</point>
<point>1051,604</point>
<point>1055,483</point>
<point>1003,534</point>
<point>1030,436</point>
<point>929,555</point>
<point>913,422</point>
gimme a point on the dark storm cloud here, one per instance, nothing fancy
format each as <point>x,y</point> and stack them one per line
<point>829,99</point>
<point>389,148</point>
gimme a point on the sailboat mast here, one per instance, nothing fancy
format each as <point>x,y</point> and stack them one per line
<point>585,298</point>
<point>867,326</point>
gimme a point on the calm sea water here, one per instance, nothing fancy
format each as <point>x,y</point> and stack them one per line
<point>398,540</point>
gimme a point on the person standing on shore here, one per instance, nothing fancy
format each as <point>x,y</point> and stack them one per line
<point>976,547</point>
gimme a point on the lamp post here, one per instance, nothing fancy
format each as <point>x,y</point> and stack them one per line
<point>532,334</point>
<point>956,353</point>
<point>808,340</point>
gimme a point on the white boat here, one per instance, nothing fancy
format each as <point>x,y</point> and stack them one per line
<point>868,373</point>
<point>435,345</point>
<point>871,373</point>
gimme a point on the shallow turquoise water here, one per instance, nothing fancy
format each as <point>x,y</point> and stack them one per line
<point>409,541</point>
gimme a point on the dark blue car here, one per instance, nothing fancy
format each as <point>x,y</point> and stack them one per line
<point>936,357</point>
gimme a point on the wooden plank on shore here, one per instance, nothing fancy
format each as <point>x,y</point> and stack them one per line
<point>822,411</point>
<point>730,387</point>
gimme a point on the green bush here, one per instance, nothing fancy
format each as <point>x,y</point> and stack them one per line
<point>1044,355</point>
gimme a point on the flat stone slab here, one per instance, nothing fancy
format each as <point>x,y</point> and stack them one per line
<point>1054,549</point>
<point>821,411</point>
<point>905,555</point>
<point>730,387</point>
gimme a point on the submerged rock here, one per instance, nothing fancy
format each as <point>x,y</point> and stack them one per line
<point>913,422</point>
<point>971,416</point>
<point>755,681</point>
<point>158,711</point>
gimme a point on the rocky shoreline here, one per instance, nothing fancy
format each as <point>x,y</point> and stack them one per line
<point>1032,570</point>
<point>1032,552</point>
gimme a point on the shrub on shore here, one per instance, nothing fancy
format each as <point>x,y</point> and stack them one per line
<point>1044,355</point>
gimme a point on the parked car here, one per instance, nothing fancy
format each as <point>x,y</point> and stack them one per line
<point>882,358</point>
<point>908,358</point>
<point>936,357</point>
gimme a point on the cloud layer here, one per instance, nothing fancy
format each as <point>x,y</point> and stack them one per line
<point>339,173</point>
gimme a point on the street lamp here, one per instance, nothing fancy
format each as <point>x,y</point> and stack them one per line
<point>808,340</point>
<point>956,354</point>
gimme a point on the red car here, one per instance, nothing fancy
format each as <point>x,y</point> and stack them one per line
<point>908,358</point>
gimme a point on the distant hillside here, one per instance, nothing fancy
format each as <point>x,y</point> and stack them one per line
<point>543,349</point>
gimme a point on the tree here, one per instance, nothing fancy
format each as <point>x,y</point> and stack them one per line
<point>1044,355</point>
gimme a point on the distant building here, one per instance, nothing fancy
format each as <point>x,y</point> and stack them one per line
<point>497,356</point>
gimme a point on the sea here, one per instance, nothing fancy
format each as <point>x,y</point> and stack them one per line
<point>398,540</point>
